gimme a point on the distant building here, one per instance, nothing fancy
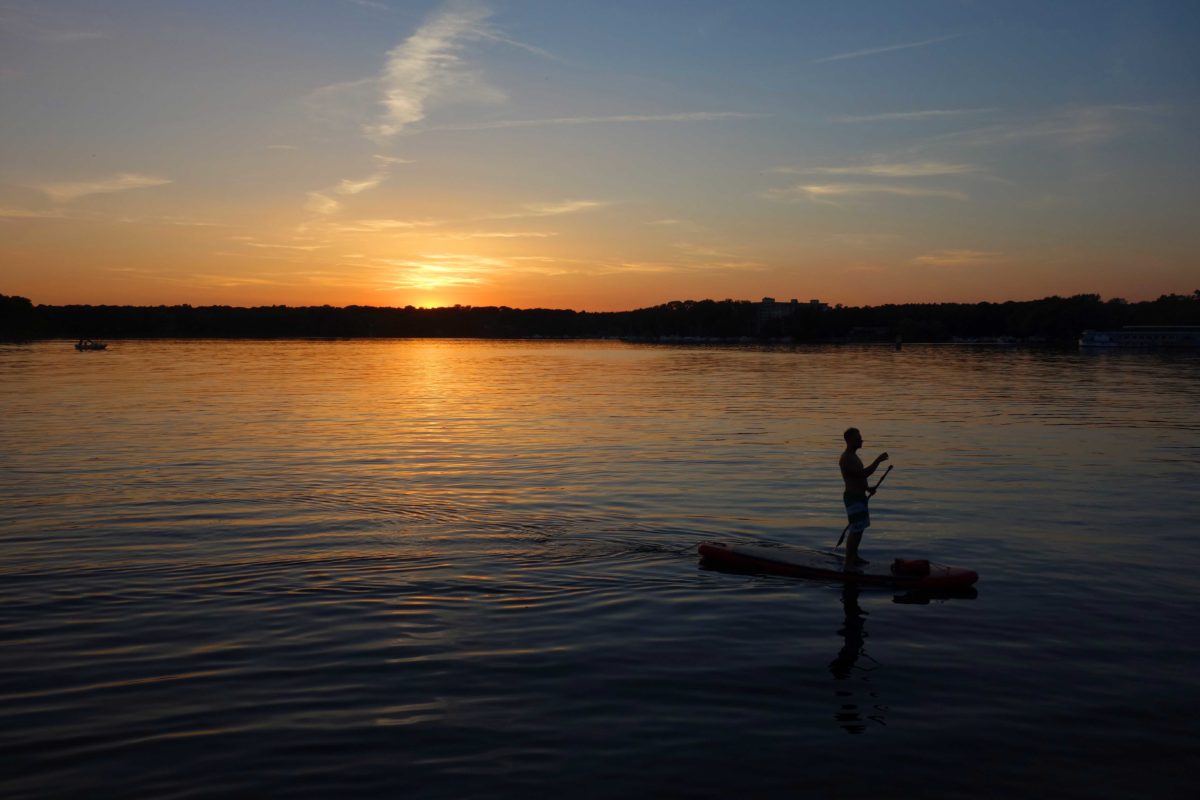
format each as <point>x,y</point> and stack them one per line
<point>770,311</point>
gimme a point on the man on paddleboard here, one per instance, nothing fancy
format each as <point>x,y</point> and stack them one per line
<point>857,491</point>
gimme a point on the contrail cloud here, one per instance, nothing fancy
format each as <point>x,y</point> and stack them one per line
<point>876,50</point>
<point>694,116</point>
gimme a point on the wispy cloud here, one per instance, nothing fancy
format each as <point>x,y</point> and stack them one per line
<point>371,4</point>
<point>349,186</point>
<point>321,203</point>
<point>706,256</point>
<point>831,191</point>
<point>905,116</point>
<point>702,250</point>
<point>887,49</point>
<point>909,169</point>
<point>958,258</point>
<point>74,190</point>
<point>564,207</point>
<point>392,161</point>
<point>351,101</point>
<point>680,267</point>
<point>235,281</point>
<point>686,116</point>
<point>863,240</point>
<point>499,235</point>
<point>551,209</point>
<point>650,267</point>
<point>382,225</point>
<point>675,225</point>
<point>38,23</point>
<point>8,212</point>
<point>1067,128</point>
<point>174,221</point>
<point>496,36</point>
<point>429,66</point>
<point>250,241</point>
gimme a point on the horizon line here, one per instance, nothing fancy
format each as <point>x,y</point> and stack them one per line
<point>465,307</point>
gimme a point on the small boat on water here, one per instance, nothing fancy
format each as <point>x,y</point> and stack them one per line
<point>1144,337</point>
<point>88,344</point>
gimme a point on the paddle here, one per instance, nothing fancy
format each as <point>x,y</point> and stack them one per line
<point>873,490</point>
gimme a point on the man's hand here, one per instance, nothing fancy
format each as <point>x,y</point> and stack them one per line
<point>881,458</point>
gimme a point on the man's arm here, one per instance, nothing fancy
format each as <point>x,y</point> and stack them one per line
<point>866,473</point>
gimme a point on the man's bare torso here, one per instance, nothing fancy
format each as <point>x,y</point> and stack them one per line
<point>853,472</point>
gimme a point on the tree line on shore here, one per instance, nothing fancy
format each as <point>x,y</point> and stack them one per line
<point>1050,320</point>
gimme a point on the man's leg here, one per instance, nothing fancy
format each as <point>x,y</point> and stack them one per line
<point>852,540</point>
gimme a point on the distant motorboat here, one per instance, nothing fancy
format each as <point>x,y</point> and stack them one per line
<point>1144,336</point>
<point>88,344</point>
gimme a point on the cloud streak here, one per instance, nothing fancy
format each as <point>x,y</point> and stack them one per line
<point>251,242</point>
<point>348,186</point>
<point>905,116</point>
<point>830,191</point>
<point>67,192</point>
<point>687,116</point>
<point>564,207</point>
<point>320,201</point>
<point>957,258</point>
<point>383,225</point>
<point>551,209</point>
<point>888,49</point>
<point>1066,128</point>
<point>912,169</point>
<point>428,65</point>
<point>500,235</point>
<point>8,212</point>
<point>38,25</point>
<point>371,4</point>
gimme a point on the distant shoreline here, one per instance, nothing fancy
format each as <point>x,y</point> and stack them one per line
<point>1048,321</point>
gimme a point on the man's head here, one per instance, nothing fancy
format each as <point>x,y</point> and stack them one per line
<point>853,438</point>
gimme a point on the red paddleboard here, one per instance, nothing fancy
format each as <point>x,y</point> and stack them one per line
<point>801,562</point>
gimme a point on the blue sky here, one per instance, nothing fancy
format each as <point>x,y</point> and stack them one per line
<point>596,155</point>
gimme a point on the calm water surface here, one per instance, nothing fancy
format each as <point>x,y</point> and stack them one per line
<point>467,569</point>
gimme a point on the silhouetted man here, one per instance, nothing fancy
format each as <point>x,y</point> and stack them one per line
<point>855,497</point>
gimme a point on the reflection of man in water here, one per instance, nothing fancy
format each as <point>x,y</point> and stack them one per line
<point>852,633</point>
<point>855,497</point>
<point>853,645</point>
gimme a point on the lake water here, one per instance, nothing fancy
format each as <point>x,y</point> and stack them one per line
<point>456,569</point>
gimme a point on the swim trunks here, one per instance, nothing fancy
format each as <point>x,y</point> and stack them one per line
<point>856,511</point>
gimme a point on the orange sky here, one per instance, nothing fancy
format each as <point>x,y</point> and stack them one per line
<point>482,154</point>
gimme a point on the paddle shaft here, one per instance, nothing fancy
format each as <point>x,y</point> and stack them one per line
<point>873,490</point>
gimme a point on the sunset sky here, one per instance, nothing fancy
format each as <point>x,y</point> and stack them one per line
<point>596,154</point>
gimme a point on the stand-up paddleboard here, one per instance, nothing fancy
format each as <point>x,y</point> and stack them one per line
<point>802,562</point>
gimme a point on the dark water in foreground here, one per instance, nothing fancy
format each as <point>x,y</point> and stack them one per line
<point>465,569</point>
